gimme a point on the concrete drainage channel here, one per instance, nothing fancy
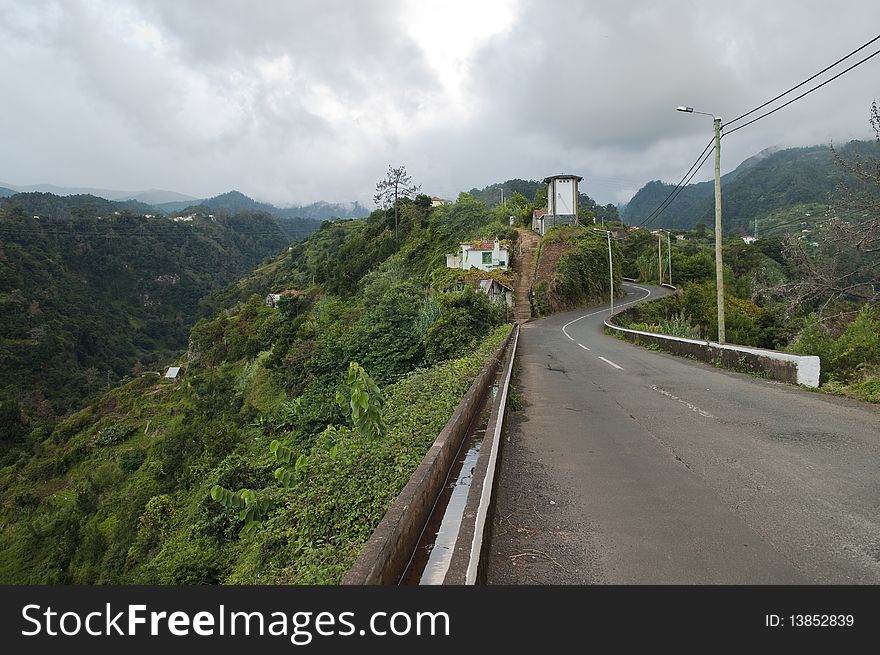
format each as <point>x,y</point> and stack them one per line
<point>434,531</point>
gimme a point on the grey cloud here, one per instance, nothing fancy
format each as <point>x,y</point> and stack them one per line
<point>243,94</point>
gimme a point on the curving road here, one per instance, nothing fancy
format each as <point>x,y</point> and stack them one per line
<point>630,466</point>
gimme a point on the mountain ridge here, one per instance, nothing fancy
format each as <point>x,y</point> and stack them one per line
<point>771,180</point>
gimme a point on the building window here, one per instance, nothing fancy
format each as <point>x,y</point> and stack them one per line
<point>487,257</point>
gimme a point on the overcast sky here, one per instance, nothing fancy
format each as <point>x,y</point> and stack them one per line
<point>296,101</point>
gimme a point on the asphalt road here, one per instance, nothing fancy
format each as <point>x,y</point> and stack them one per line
<point>629,466</point>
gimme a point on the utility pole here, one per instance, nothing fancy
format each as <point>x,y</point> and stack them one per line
<point>669,256</point>
<point>756,227</point>
<point>660,255</point>
<point>610,265</point>
<point>719,267</point>
<point>610,271</point>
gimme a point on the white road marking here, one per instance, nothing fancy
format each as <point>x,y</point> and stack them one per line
<point>608,361</point>
<point>693,408</point>
<point>583,346</point>
<point>601,311</point>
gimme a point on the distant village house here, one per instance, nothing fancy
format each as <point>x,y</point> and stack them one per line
<point>486,256</point>
<point>436,202</point>
<point>273,298</point>
<point>172,374</point>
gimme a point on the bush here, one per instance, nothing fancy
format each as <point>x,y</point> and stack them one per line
<point>114,434</point>
<point>465,317</point>
<point>131,460</point>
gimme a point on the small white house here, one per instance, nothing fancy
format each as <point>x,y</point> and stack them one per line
<point>486,256</point>
<point>749,239</point>
<point>273,298</point>
<point>173,373</point>
<point>437,201</point>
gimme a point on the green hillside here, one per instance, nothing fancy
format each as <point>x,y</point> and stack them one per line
<point>759,187</point>
<point>121,491</point>
<point>235,201</point>
<point>91,291</point>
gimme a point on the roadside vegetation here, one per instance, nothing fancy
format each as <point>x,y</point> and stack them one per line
<point>811,291</point>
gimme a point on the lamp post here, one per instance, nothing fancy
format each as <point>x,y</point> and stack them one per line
<point>719,269</point>
<point>610,266</point>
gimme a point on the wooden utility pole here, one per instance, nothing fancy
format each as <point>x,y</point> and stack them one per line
<point>719,267</point>
<point>660,255</point>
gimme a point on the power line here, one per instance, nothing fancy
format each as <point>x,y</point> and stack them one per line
<point>685,180</point>
<point>779,226</point>
<point>795,99</point>
<point>809,79</point>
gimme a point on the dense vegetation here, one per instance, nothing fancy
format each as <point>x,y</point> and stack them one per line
<point>572,269</point>
<point>91,292</point>
<point>763,308</point>
<point>768,183</point>
<point>121,491</point>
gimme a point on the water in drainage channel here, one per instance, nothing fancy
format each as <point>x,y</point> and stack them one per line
<point>430,561</point>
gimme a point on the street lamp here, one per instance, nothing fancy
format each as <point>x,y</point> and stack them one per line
<point>719,270</point>
<point>610,265</point>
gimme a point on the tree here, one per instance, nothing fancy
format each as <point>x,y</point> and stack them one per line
<point>843,264</point>
<point>397,184</point>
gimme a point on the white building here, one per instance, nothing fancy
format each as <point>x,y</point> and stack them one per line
<point>486,256</point>
<point>562,202</point>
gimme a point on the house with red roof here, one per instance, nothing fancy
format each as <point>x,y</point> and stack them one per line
<point>486,256</point>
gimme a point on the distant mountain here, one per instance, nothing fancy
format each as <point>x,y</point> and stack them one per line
<point>49,205</point>
<point>109,194</point>
<point>159,196</point>
<point>323,210</point>
<point>172,202</point>
<point>234,201</point>
<point>92,289</point>
<point>762,185</point>
<point>176,206</point>
<point>149,197</point>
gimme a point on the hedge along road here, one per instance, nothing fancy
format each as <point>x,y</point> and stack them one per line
<point>628,466</point>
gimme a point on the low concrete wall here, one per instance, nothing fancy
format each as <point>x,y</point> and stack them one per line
<point>785,367</point>
<point>387,553</point>
<point>467,565</point>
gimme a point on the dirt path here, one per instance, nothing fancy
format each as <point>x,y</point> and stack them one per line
<point>528,243</point>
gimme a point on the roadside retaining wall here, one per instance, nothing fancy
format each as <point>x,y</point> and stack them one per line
<point>785,367</point>
<point>387,553</point>
<point>467,565</point>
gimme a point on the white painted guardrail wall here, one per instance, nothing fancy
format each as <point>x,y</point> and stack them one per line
<point>807,366</point>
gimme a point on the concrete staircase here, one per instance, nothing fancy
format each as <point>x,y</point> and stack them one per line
<point>527,249</point>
